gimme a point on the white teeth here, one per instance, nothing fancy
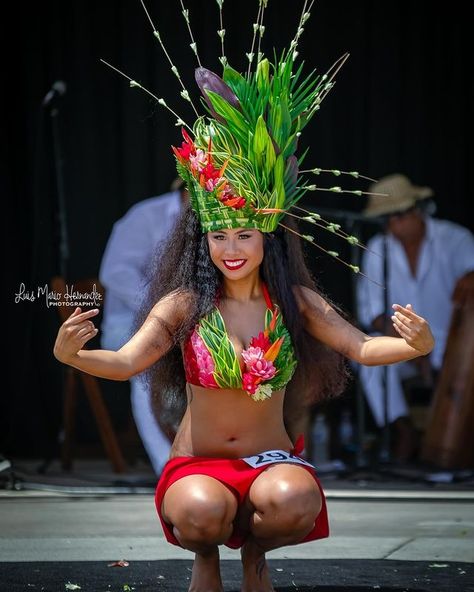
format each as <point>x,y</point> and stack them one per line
<point>234,263</point>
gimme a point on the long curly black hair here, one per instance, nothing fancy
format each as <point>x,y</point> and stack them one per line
<point>184,262</point>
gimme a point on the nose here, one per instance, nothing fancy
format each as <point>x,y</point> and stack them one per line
<point>232,248</point>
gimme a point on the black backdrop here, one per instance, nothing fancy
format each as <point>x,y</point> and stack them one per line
<point>402,102</point>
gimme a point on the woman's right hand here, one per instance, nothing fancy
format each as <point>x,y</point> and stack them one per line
<point>74,334</point>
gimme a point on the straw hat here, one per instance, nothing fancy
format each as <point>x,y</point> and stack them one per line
<point>401,195</point>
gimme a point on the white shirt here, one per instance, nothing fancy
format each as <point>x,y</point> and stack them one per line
<point>446,254</point>
<point>128,254</point>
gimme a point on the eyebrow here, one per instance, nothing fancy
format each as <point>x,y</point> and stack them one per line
<point>239,232</point>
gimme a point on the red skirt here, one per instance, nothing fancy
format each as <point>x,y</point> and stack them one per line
<point>237,475</point>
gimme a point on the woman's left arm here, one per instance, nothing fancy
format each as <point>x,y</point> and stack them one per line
<point>325,324</point>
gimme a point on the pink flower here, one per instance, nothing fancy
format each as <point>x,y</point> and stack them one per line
<point>250,382</point>
<point>204,361</point>
<point>262,368</point>
<point>252,354</point>
<point>190,365</point>
<point>198,160</point>
<point>257,364</point>
<point>212,183</point>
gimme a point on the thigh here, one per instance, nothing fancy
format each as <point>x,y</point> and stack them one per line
<point>199,493</point>
<point>284,483</point>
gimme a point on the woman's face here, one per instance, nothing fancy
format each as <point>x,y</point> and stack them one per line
<point>236,252</point>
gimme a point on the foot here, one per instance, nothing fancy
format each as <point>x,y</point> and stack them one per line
<point>256,577</point>
<point>206,576</point>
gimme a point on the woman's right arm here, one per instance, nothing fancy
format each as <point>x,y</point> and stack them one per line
<point>149,344</point>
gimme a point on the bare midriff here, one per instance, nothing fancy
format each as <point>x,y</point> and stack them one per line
<point>227,423</point>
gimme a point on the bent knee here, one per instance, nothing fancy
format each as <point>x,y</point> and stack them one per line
<point>295,507</point>
<point>202,519</point>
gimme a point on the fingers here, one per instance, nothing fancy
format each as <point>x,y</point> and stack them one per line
<point>78,316</point>
<point>79,329</point>
<point>406,310</point>
<point>89,335</point>
<point>402,321</point>
<point>401,328</point>
<point>87,328</point>
<point>413,328</point>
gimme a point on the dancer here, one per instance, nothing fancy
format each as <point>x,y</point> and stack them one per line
<point>237,338</point>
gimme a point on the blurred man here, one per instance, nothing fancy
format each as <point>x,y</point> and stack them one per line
<point>128,253</point>
<point>430,265</point>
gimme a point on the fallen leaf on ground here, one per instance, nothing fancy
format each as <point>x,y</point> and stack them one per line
<point>120,563</point>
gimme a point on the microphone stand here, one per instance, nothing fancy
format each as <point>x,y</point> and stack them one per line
<point>61,195</point>
<point>385,454</point>
<point>60,207</point>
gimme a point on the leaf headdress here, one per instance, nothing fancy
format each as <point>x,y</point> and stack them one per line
<point>239,161</point>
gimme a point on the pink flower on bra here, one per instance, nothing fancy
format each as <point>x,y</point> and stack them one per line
<point>262,368</point>
<point>250,382</point>
<point>204,361</point>
<point>251,355</point>
<point>257,365</point>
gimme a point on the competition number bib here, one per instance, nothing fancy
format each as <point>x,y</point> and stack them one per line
<point>274,456</point>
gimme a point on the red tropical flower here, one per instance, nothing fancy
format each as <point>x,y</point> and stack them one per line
<point>250,382</point>
<point>233,201</point>
<point>187,148</point>
<point>261,341</point>
<point>207,175</point>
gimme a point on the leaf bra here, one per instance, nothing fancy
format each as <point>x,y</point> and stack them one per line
<point>266,365</point>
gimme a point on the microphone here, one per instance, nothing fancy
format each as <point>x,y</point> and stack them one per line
<point>57,90</point>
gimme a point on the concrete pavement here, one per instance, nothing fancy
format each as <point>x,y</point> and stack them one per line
<point>431,526</point>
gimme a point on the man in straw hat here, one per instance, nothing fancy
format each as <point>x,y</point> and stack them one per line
<point>430,264</point>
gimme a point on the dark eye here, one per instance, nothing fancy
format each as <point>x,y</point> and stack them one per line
<point>245,235</point>
<point>218,236</point>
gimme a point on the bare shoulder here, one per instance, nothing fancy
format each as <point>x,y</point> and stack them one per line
<point>325,323</point>
<point>173,307</point>
<point>309,300</point>
<point>155,336</point>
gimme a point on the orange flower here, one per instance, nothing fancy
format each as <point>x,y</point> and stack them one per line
<point>274,350</point>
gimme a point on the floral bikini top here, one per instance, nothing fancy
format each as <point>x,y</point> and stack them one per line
<point>265,366</point>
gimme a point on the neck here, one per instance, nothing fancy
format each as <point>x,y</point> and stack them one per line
<point>415,237</point>
<point>244,289</point>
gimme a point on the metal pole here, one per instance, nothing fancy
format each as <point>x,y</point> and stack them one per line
<point>385,455</point>
<point>63,246</point>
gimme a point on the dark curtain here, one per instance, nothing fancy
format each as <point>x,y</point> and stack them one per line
<point>402,103</point>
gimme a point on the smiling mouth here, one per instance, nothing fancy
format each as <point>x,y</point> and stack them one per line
<point>235,263</point>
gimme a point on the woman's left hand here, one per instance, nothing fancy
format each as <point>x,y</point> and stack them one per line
<point>414,329</point>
